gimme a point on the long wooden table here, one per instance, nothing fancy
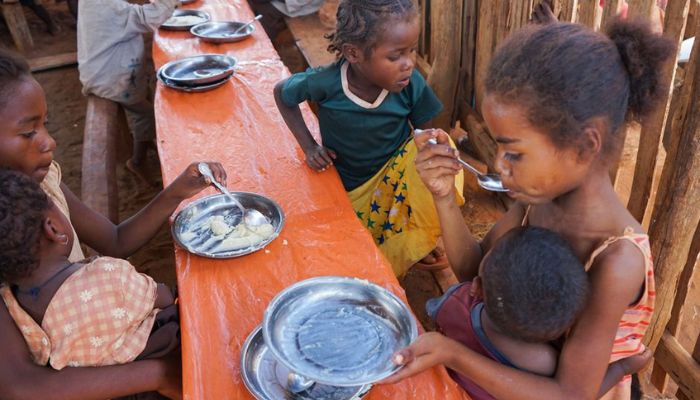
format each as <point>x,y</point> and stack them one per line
<point>222,301</point>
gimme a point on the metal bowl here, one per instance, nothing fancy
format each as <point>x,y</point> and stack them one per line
<point>198,70</point>
<point>192,89</point>
<point>184,2</point>
<point>221,32</point>
<point>338,331</point>
<point>259,370</point>
<point>178,21</point>
<point>192,234</point>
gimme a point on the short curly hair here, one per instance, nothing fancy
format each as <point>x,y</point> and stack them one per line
<point>23,206</point>
<point>361,22</point>
<point>534,286</point>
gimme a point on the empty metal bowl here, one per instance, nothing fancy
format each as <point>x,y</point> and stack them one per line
<point>222,32</point>
<point>192,89</point>
<point>183,20</point>
<point>198,70</point>
<point>259,370</point>
<point>192,233</point>
<point>338,331</point>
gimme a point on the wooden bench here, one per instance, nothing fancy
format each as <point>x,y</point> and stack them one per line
<point>17,24</point>
<point>100,141</point>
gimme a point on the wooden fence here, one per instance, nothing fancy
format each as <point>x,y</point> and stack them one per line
<point>457,41</point>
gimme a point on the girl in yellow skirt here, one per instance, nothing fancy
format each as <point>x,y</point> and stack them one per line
<point>369,100</point>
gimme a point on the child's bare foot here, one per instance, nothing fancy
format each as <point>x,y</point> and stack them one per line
<point>435,260</point>
<point>543,13</point>
<point>140,172</point>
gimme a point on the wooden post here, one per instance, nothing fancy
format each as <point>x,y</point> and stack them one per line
<point>610,11</point>
<point>679,364</point>
<point>654,124</point>
<point>17,25</point>
<point>642,8</point>
<point>471,9</point>
<point>569,10</point>
<point>676,214</point>
<point>589,13</point>
<point>446,34</point>
<point>99,179</point>
<point>485,44</point>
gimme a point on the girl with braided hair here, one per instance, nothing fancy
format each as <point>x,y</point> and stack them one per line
<point>369,101</point>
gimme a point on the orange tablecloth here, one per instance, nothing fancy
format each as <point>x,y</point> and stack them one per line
<point>222,301</point>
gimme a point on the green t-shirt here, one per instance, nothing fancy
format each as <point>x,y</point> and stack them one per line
<point>363,135</point>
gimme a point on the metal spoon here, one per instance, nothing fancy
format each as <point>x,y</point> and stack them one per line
<point>291,381</point>
<point>490,182</point>
<point>251,217</point>
<point>240,28</point>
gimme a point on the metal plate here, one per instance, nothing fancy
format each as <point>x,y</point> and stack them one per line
<point>179,20</point>
<point>221,32</point>
<point>192,89</point>
<point>190,232</point>
<point>198,70</point>
<point>184,2</point>
<point>259,371</point>
<point>338,331</point>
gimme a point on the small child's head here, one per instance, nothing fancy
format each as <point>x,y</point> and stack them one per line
<point>379,38</point>
<point>533,285</point>
<point>557,96</point>
<point>25,144</point>
<point>30,226</point>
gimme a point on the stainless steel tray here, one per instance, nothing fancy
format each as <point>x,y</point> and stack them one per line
<point>260,371</point>
<point>338,331</point>
<point>191,234</point>
<point>181,15</point>
<point>198,70</point>
<point>221,32</point>
<point>192,89</point>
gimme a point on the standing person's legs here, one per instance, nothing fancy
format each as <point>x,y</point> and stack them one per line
<point>141,120</point>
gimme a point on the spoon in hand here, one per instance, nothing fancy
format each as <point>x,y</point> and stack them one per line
<point>251,217</point>
<point>491,182</point>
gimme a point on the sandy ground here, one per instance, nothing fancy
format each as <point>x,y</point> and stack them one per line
<point>67,118</point>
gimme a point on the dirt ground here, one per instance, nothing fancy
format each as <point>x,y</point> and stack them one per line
<point>67,121</point>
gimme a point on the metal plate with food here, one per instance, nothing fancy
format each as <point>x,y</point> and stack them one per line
<point>198,70</point>
<point>222,32</point>
<point>192,89</point>
<point>183,20</point>
<point>212,227</point>
<point>267,379</point>
<point>338,331</point>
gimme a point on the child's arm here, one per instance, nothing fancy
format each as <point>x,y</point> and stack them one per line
<point>437,167</point>
<point>147,17</point>
<point>621,368</point>
<point>317,156</point>
<point>120,241</point>
<point>615,282</point>
<point>21,379</point>
<point>164,296</point>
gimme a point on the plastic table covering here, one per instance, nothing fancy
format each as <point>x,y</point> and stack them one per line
<point>222,301</point>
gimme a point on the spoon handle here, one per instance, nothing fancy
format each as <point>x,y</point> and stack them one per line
<point>206,171</point>
<point>240,28</point>
<point>465,164</point>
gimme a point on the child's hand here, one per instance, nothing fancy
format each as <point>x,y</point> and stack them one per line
<point>437,163</point>
<point>171,380</point>
<point>426,352</point>
<point>319,158</point>
<point>191,182</point>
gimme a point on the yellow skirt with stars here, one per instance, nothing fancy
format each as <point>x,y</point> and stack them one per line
<point>398,210</point>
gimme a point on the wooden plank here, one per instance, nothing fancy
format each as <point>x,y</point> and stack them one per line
<point>569,11</point>
<point>99,179</point>
<point>654,124</point>
<point>676,214</point>
<point>588,13</point>
<point>610,11</point>
<point>479,138</point>
<point>468,51</point>
<point>308,31</point>
<point>17,25</point>
<point>684,370</point>
<point>642,8</point>
<point>39,64</point>
<point>446,34</point>
<point>485,43</point>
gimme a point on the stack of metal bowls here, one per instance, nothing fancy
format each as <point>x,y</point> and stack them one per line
<point>326,338</point>
<point>198,73</point>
